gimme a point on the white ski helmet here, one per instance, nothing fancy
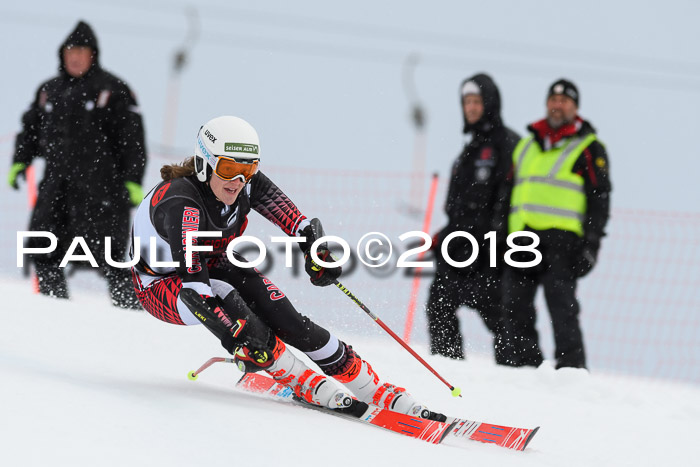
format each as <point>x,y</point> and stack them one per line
<point>224,136</point>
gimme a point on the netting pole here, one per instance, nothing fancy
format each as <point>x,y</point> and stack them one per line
<point>416,276</point>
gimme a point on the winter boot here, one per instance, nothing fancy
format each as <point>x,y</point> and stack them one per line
<point>358,376</point>
<point>308,385</point>
<point>121,289</point>
<point>52,279</point>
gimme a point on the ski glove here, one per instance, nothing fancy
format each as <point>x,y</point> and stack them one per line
<point>17,170</point>
<point>319,275</point>
<point>585,260</point>
<point>135,192</point>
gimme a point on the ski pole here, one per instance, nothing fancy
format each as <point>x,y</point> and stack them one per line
<point>455,390</point>
<point>193,375</point>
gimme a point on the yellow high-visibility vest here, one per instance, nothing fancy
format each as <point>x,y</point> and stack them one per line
<point>547,195</point>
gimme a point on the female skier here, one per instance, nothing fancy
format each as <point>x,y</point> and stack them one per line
<point>214,191</point>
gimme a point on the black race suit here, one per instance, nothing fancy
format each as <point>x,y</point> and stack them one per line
<point>175,207</point>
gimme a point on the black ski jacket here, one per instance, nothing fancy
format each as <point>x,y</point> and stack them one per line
<point>90,132</point>
<point>473,197</point>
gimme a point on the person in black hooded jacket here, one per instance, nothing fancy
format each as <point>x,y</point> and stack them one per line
<point>473,201</point>
<point>86,124</point>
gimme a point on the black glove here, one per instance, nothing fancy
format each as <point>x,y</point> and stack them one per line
<point>586,259</point>
<point>319,275</point>
<point>250,345</point>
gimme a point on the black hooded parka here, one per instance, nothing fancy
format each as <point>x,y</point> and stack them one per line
<point>474,205</point>
<point>90,132</point>
<point>473,196</point>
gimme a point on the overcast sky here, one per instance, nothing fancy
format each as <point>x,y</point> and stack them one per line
<point>322,81</point>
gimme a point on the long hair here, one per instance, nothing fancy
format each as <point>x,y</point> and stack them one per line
<point>171,171</point>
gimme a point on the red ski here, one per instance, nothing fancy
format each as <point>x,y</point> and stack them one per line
<point>453,432</point>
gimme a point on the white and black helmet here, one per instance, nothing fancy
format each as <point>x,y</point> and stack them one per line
<point>224,136</point>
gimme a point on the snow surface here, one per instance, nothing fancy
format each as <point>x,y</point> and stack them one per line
<point>86,384</point>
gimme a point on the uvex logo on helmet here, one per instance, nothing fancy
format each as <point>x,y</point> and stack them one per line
<point>211,137</point>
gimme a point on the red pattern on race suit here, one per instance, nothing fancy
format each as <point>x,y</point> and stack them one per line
<point>273,204</point>
<point>160,297</point>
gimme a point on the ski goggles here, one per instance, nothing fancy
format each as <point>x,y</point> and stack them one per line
<point>230,168</point>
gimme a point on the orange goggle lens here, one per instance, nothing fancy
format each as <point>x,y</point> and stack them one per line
<point>228,168</point>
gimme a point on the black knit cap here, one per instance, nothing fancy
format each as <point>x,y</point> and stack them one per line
<point>564,87</point>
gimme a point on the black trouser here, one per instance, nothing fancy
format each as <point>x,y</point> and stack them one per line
<point>556,275</point>
<point>449,291</point>
<point>72,215</point>
<point>255,297</point>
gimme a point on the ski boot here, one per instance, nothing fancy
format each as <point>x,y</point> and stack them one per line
<point>358,376</point>
<point>287,369</point>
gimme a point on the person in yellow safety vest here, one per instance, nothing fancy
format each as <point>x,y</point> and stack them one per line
<point>561,191</point>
